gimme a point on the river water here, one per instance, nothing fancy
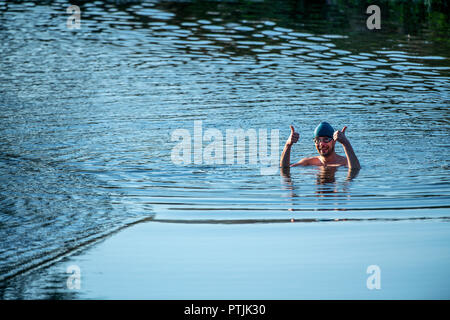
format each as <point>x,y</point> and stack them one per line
<point>87,118</point>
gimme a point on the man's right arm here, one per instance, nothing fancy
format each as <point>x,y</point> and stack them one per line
<point>285,160</point>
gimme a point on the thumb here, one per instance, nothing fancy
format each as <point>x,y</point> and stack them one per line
<point>292,129</point>
<point>343,129</point>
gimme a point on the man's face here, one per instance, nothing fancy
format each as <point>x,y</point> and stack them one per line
<point>324,145</point>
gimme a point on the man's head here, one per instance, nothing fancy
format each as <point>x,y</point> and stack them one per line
<point>323,139</point>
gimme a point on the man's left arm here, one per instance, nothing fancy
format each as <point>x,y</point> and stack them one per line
<point>352,160</point>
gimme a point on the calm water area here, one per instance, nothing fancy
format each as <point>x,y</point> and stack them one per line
<point>86,174</point>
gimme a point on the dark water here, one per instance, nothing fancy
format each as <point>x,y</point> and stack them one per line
<point>87,116</point>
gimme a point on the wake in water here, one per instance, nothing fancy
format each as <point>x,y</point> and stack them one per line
<point>48,210</point>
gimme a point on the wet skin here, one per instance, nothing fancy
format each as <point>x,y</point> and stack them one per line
<point>326,149</point>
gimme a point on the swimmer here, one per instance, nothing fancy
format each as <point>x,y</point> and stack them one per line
<point>325,139</point>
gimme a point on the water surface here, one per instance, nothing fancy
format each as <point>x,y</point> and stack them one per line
<point>87,117</point>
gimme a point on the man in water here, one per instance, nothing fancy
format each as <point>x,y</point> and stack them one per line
<point>325,139</point>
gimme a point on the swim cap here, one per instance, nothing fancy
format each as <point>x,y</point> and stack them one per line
<point>324,129</point>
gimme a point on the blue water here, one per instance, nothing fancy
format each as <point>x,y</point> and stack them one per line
<point>87,118</point>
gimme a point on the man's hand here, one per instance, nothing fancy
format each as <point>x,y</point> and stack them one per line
<point>340,136</point>
<point>293,138</point>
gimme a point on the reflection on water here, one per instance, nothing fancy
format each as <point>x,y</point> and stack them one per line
<point>87,115</point>
<point>326,186</point>
<point>326,175</point>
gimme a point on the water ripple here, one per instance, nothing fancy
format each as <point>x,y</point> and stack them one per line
<point>87,117</point>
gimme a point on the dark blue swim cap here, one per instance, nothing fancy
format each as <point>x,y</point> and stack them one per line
<point>324,129</point>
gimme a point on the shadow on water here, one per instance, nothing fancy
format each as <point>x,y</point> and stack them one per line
<point>414,20</point>
<point>409,17</point>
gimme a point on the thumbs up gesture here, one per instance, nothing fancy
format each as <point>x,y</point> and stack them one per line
<point>340,135</point>
<point>293,138</point>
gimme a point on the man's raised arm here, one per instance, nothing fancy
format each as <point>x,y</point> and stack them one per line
<point>352,160</point>
<point>285,160</point>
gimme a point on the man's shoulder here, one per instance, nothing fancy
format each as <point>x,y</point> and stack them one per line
<point>310,161</point>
